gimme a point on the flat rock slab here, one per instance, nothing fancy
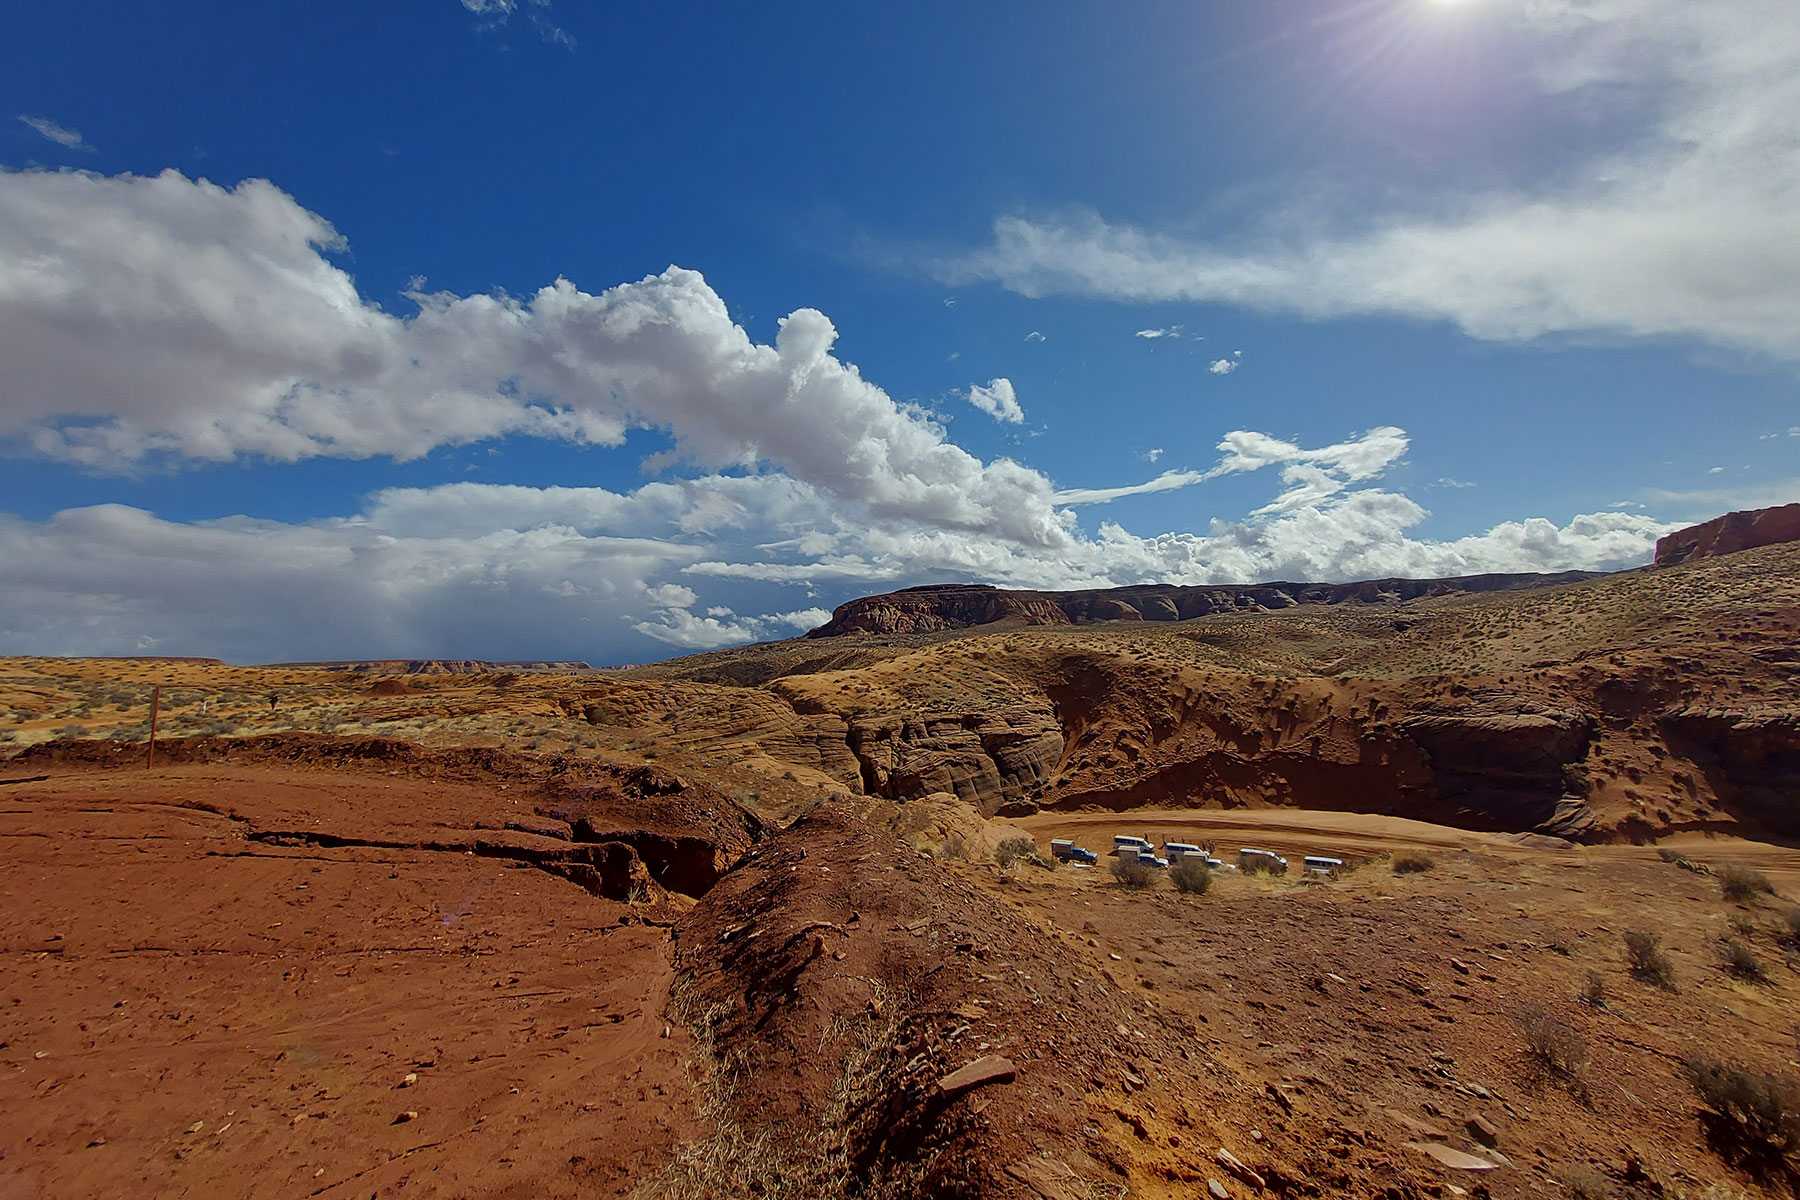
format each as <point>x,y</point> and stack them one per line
<point>1453,1158</point>
<point>983,1071</point>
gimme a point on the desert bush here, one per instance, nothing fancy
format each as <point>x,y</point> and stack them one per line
<point>1555,1045</point>
<point>1016,849</point>
<point>1791,920</point>
<point>1593,990</point>
<point>1759,1112</point>
<point>1191,876</point>
<point>1413,864</point>
<point>1742,884</point>
<point>955,848</point>
<point>1740,960</point>
<point>70,731</point>
<point>1742,924</point>
<point>1132,873</point>
<point>1648,962</point>
<point>129,733</point>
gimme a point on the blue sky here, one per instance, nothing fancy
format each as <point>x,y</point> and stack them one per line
<point>489,329</point>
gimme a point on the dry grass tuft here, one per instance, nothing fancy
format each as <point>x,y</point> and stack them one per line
<point>1413,864</point>
<point>1648,962</point>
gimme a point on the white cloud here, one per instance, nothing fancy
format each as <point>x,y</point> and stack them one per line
<point>62,135</point>
<point>1170,331</point>
<point>1223,366</point>
<point>167,320</point>
<point>1688,229</point>
<point>1715,470</point>
<point>1445,481</point>
<point>998,401</point>
<point>1152,454</point>
<point>1361,458</point>
<point>144,317</point>
<point>537,12</point>
<point>1034,336</point>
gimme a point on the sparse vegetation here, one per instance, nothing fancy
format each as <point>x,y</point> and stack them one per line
<point>1413,863</point>
<point>1190,876</point>
<point>1132,873</point>
<point>1757,1114</point>
<point>1740,960</point>
<point>1648,962</point>
<point>954,848</point>
<point>1791,934</point>
<point>1556,1046</point>
<point>1743,884</point>
<point>1019,849</point>
<point>70,731</point>
<point>1593,990</point>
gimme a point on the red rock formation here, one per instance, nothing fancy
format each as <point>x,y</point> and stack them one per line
<point>1730,533</point>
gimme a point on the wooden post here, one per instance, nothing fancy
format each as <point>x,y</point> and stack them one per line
<point>155,707</point>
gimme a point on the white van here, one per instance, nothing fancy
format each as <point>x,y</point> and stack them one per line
<point>1252,859</point>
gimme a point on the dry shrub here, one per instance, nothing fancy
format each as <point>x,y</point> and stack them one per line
<point>1760,1114</point>
<point>1593,990</point>
<point>1648,962</point>
<point>1413,864</point>
<point>1555,1045</point>
<point>1018,849</point>
<point>955,847</point>
<point>1132,873</point>
<point>1743,884</point>
<point>1791,919</point>
<point>1740,960</point>
<point>1191,876</point>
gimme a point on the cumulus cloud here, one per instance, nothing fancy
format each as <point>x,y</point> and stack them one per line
<point>144,317</point>
<point>168,320</point>
<point>1690,229</point>
<point>998,401</point>
<point>62,135</point>
<point>1223,366</point>
<point>484,571</point>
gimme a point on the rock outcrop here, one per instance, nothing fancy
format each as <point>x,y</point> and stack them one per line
<point>937,607</point>
<point>1729,534</point>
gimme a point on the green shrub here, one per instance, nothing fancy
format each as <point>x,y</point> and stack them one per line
<point>1132,873</point>
<point>1742,884</point>
<point>1648,962</point>
<point>1413,864</point>
<point>1191,876</point>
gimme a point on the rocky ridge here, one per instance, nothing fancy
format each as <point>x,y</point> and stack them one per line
<point>1729,534</point>
<point>937,607</point>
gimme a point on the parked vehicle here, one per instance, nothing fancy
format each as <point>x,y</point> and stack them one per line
<point>1065,850</point>
<point>1319,864</point>
<point>1151,859</point>
<point>1125,843</point>
<point>1177,851</point>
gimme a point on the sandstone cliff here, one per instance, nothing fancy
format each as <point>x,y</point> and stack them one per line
<point>1730,533</point>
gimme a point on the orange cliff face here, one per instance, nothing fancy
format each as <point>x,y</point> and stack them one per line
<point>1730,533</point>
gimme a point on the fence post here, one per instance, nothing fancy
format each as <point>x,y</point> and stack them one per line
<point>155,707</point>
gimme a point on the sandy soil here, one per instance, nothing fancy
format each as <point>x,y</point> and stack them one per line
<point>184,1011</point>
